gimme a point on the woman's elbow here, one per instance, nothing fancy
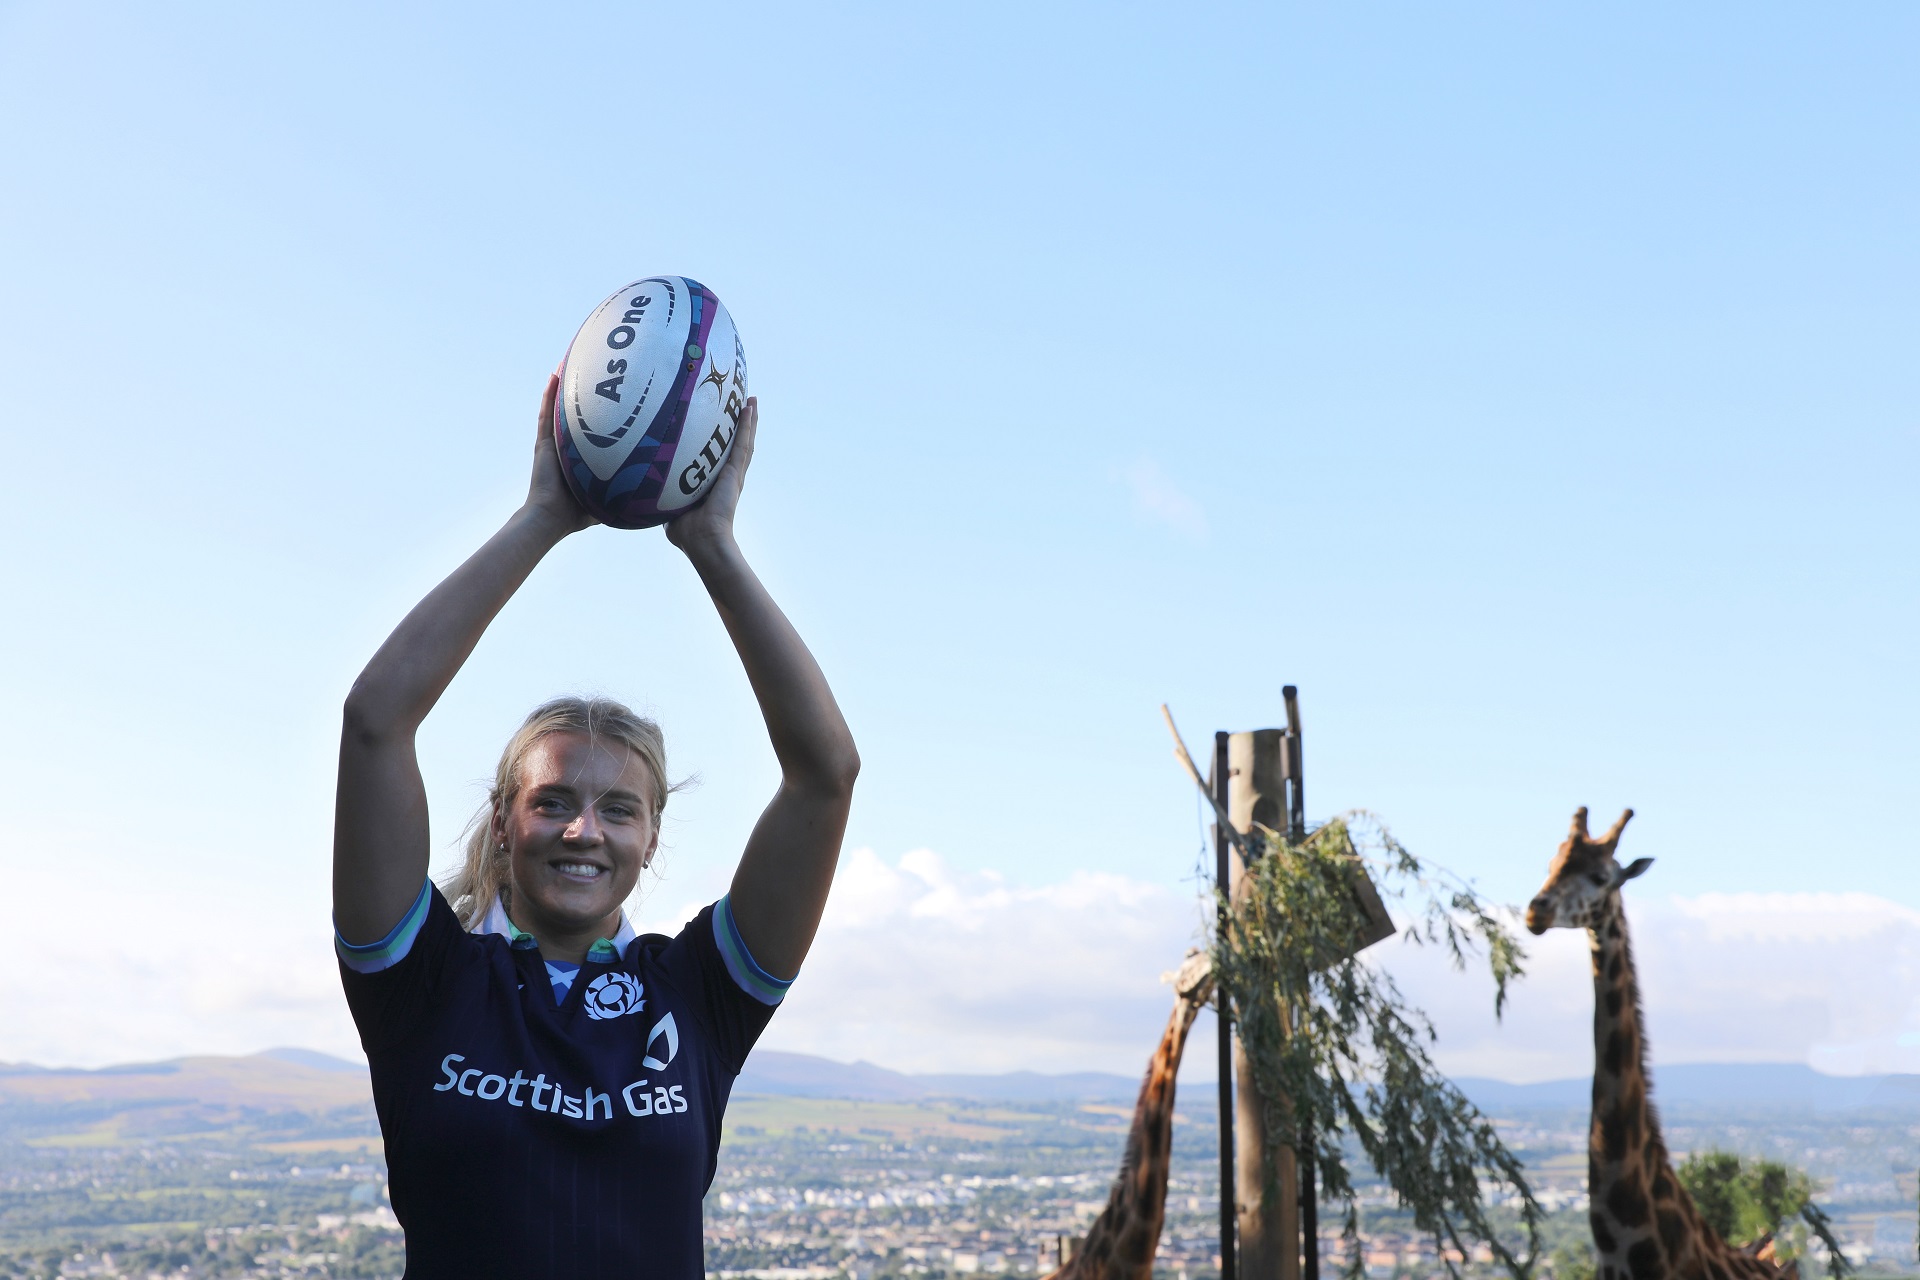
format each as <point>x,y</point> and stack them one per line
<point>850,767</point>
<point>836,771</point>
<point>366,718</point>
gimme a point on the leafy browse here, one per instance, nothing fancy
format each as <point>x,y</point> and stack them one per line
<point>1750,1201</point>
<point>1336,1051</point>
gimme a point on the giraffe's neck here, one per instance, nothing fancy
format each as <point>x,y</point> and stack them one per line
<point>1124,1238</point>
<point>1645,1226</point>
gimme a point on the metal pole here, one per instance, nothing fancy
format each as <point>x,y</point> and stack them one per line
<point>1309,1209</point>
<point>1222,873</point>
<point>1297,830</point>
<point>1295,773</point>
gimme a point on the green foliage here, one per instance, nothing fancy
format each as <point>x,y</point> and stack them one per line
<point>1746,1201</point>
<point>1338,1053</point>
<point>1743,1200</point>
<point>1567,1251</point>
<point>1572,1262</point>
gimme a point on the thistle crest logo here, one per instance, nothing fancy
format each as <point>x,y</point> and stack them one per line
<point>612,994</point>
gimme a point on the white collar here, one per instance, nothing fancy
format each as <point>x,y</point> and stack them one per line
<point>496,921</point>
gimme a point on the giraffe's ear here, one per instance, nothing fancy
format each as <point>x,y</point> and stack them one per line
<point>1638,867</point>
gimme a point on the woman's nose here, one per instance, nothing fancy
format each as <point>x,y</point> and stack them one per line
<point>586,827</point>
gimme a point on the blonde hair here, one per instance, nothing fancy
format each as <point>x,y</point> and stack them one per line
<point>473,889</point>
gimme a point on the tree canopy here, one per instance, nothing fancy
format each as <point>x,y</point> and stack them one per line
<point>1749,1200</point>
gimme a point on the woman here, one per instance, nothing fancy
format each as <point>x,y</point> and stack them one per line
<point>550,1086</point>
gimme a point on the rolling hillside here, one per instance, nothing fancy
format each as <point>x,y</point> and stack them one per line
<point>301,1082</point>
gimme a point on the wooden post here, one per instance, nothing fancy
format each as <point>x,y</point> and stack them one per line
<point>1269,790</point>
<point>1223,872</point>
<point>1269,1220</point>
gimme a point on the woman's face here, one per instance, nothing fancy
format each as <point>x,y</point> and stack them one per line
<point>578,834</point>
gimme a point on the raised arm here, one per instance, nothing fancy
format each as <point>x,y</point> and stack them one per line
<point>380,838</point>
<point>781,886</point>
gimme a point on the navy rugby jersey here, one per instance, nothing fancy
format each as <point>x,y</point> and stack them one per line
<point>546,1121</point>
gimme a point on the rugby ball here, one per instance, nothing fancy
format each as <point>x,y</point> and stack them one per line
<point>650,393</point>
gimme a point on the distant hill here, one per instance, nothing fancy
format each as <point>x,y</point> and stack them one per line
<point>289,1081</point>
<point>304,1080</point>
<point>800,1075</point>
<point>1715,1087</point>
<point>1710,1086</point>
<point>279,1095</point>
<point>277,1080</point>
<point>313,1058</point>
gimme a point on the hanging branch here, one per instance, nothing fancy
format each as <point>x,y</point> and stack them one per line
<point>1822,1227</point>
<point>1334,1045</point>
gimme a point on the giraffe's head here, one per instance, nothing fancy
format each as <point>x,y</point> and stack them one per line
<point>1583,876</point>
<point>1193,980</point>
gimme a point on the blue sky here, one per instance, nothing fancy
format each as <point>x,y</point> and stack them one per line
<point>1533,389</point>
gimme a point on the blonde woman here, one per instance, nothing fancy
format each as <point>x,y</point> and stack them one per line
<point>550,1085</point>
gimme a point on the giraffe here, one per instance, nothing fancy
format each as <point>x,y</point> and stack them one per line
<point>1121,1243</point>
<point>1645,1225</point>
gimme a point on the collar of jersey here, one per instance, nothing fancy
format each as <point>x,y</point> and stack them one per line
<point>603,950</point>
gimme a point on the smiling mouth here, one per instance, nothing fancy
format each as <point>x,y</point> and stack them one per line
<point>579,870</point>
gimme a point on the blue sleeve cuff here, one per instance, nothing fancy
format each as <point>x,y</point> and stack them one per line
<point>746,974</point>
<point>372,957</point>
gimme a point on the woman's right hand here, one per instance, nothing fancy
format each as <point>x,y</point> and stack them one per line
<point>548,494</point>
<point>381,837</point>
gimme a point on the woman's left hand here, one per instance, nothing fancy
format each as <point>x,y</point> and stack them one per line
<point>780,888</point>
<point>710,522</point>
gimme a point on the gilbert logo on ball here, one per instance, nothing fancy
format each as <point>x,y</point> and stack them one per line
<point>650,393</point>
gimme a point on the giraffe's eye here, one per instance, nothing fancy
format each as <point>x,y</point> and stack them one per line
<point>1598,877</point>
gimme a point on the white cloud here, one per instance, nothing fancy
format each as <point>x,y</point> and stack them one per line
<point>159,983</point>
<point>1157,498</point>
<point>920,969</point>
<point>1827,979</point>
<point>924,968</point>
